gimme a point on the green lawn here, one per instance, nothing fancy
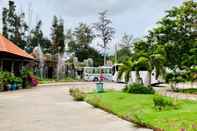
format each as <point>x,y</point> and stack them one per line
<point>67,79</point>
<point>139,109</point>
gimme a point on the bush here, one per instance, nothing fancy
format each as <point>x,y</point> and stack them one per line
<point>138,89</point>
<point>163,102</point>
<point>77,94</point>
<point>8,78</point>
<point>26,77</point>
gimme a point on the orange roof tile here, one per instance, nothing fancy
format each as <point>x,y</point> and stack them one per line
<point>9,47</point>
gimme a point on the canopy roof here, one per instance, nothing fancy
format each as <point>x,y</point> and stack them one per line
<point>7,46</point>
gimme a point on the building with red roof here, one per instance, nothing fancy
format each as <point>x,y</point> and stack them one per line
<point>12,58</point>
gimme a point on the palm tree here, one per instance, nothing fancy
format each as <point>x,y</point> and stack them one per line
<point>126,69</point>
<point>143,63</point>
<point>158,60</point>
<point>130,65</point>
<point>145,57</point>
<point>154,61</point>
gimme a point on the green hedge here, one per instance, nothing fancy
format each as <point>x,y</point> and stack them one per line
<point>138,89</point>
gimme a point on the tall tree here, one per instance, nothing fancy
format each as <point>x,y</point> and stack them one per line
<point>84,35</point>
<point>177,33</point>
<point>80,38</point>
<point>104,31</point>
<point>58,37</point>
<point>5,22</point>
<point>124,49</point>
<point>36,35</point>
<point>61,37</point>
<point>14,26</point>
<point>54,35</point>
<point>126,41</point>
<point>79,43</point>
<point>36,38</point>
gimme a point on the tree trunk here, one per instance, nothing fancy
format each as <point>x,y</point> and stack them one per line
<point>105,57</point>
<point>138,78</point>
<point>173,85</point>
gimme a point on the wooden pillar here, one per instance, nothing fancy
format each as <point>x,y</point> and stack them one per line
<point>1,65</point>
<point>21,66</point>
<point>12,67</point>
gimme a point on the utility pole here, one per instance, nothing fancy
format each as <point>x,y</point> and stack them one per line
<point>105,57</point>
<point>116,53</point>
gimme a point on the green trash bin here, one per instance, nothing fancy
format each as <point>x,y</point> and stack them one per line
<point>99,87</point>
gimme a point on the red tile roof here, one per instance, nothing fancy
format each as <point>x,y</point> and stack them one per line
<point>9,47</point>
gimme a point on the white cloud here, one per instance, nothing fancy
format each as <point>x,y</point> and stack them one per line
<point>76,8</point>
<point>131,16</point>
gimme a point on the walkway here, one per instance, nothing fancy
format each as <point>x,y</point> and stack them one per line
<point>50,108</point>
<point>165,90</point>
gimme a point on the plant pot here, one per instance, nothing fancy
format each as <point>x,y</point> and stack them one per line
<point>9,87</point>
<point>19,86</point>
<point>13,87</point>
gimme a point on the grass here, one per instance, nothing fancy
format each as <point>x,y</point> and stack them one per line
<point>189,90</point>
<point>140,109</point>
<point>46,81</point>
<point>67,79</point>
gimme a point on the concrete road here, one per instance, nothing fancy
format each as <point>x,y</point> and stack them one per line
<point>50,108</point>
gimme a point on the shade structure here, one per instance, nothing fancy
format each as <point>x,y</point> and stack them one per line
<point>6,46</point>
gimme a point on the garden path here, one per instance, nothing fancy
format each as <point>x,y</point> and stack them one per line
<point>51,108</point>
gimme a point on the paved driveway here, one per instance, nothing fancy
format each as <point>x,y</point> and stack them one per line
<point>50,108</point>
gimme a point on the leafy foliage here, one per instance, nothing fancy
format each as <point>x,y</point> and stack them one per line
<point>126,68</point>
<point>37,38</point>
<point>138,89</point>
<point>176,33</point>
<point>58,36</point>
<point>123,55</point>
<point>77,94</point>
<point>84,35</point>
<point>8,78</point>
<point>79,43</point>
<point>171,44</point>
<point>14,25</point>
<point>162,102</point>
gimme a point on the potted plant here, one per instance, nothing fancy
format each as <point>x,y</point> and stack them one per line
<point>18,81</point>
<point>6,80</point>
<point>12,81</point>
<point>25,75</point>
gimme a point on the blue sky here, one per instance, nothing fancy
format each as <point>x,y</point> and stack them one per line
<point>134,17</point>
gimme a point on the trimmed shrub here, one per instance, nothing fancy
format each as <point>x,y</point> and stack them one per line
<point>138,89</point>
<point>77,94</point>
<point>163,102</point>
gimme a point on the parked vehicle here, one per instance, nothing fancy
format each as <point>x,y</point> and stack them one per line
<point>103,73</point>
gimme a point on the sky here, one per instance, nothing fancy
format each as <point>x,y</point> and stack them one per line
<point>134,17</point>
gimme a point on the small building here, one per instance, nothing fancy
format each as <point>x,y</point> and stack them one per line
<point>13,58</point>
